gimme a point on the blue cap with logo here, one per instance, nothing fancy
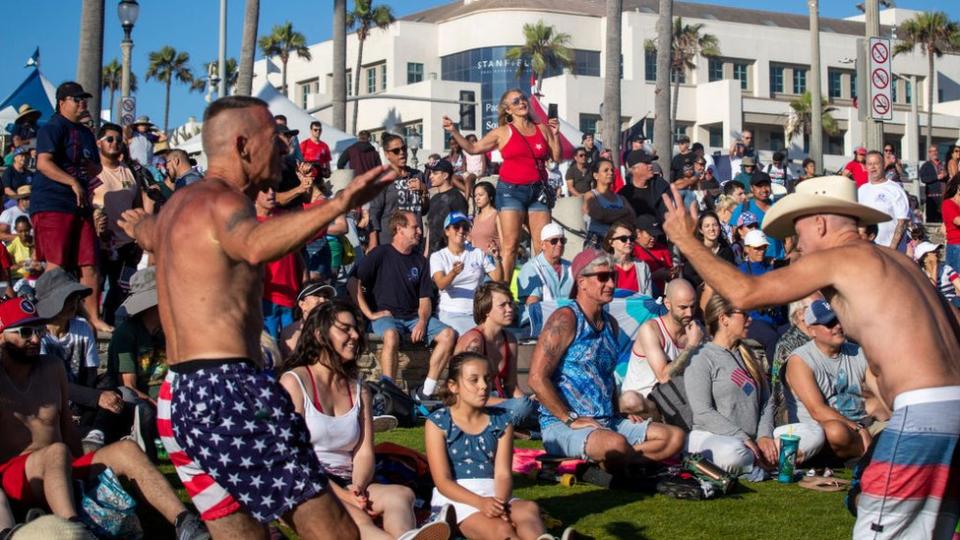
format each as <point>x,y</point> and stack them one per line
<point>453,218</point>
<point>819,312</point>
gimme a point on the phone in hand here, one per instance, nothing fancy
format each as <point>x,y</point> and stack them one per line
<point>552,111</point>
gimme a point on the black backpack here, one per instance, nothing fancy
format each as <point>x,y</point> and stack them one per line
<point>671,399</point>
<point>388,398</point>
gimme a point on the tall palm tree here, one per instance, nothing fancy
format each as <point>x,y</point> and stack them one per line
<point>111,79</point>
<point>248,47</point>
<point>686,44</point>
<point>284,41</point>
<point>544,48</point>
<point>340,64</point>
<point>662,135</point>
<point>934,33</point>
<point>167,65</point>
<point>800,120</point>
<point>365,18</point>
<point>90,53</point>
<point>611,83</point>
<point>233,73</point>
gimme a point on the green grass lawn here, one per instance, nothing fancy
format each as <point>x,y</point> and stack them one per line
<point>763,510</point>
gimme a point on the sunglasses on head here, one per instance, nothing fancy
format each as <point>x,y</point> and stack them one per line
<point>518,100</point>
<point>398,150</point>
<point>27,332</point>
<point>602,277</point>
<point>553,241</point>
<point>625,238</point>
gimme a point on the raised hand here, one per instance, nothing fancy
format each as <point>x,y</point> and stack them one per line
<point>129,219</point>
<point>679,222</point>
<point>448,124</point>
<point>365,187</point>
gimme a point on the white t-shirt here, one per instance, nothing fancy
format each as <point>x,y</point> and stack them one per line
<point>889,198</point>
<point>458,296</point>
<point>10,215</point>
<point>77,348</point>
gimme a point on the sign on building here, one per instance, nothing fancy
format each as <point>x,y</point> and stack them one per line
<point>128,110</point>
<point>880,79</point>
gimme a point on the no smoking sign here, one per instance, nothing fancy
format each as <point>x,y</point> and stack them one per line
<point>881,79</point>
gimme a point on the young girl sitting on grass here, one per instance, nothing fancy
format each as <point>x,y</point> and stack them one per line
<point>470,450</point>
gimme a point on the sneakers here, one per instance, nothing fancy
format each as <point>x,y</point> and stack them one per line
<point>189,527</point>
<point>384,422</point>
<point>93,441</point>
<point>425,404</point>
<point>447,515</point>
<point>436,530</point>
<point>568,534</point>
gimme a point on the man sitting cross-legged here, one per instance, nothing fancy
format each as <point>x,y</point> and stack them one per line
<point>39,449</point>
<point>826,388</point>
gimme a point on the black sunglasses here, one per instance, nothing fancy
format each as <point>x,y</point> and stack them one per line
<point>27,332</point>
<point>553,241</point>
<point>602,277</point>
<point>625,238</point>
<point>461,226</point>
<point>517,100</point>
<point>399,150</point>
<point>111,139</point>
<point>76,99</point>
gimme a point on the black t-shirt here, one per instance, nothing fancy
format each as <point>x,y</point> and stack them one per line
<point>74,150</point>
<point>441,205</point>
<point>13,179</point>
<point>289,180</point>
<point>582,181</point>
<point>648,200</point>
<point>394,281</point>
<point>679,162</point>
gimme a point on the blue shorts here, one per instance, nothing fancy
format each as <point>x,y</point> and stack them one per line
<point>520,197</point>
<point>405,327</point>
<point>561,440</point>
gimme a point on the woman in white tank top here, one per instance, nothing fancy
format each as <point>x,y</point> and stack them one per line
<point>322,379</point>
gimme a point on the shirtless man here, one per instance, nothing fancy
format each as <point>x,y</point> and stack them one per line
<point>659,341</point>
<point>40,451</point>
<point>908,333</point>
<point>242,453</point>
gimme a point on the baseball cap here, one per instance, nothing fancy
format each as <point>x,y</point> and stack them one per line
<point>639,156</point>
<point>860,151</point>
<point>755,238</point>
<point>454,218</point>
<point>819,312</point>
<point>551,230</point>
<point>583,260</point>
<point>21,150</point>
<point>18,312</point>
<point>746,219</point>
<point>284,130</point>
<point>649,224</point>
<point>760,178</point>
<point>71,89</point>
<point>317,289</point>
<point>923,248</point>
<point>442,166</point>
<point>747,162</point>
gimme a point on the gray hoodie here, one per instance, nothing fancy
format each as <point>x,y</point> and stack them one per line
<point>724,398</point>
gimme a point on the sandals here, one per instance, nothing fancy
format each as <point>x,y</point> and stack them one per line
<point>824,484</point>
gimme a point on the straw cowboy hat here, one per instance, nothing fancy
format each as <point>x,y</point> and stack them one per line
<point>823,195</point>
<point>27,114</point>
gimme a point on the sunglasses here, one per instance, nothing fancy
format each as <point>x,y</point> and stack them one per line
<point>315,129</point>
<point>602,277</point>
<point>518,100</point>
<point>461,226</point>
<point>832,323</point>
<point>625,238</point>
<point>554,241</point>
<point>733,312</point>
<point>27,332</point>
<point>398,151</point>
<point>76,99</point>
<point>111,139</point>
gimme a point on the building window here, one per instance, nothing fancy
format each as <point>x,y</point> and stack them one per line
<point>893,91</point>
<point>834,84</point>
<point>414,72</point>
<point>853,85</point>
<point>350,83</point>
<point>716,137</point>
<point>908,92</point>
<point>715,69</point>
<point>371,80</point>
<point>682,75</point>
<point>777,140</point>
<point>588,123</point>
<point>650,65</point>
<point>740,73</point>
<point>776,80</point>
<point>834,145</point>
<point>383,77</point>
<point>799,81</point>
<point>678,131</point>
<point>306,88</point>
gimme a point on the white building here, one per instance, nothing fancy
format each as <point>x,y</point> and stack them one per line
<point>415,70</point>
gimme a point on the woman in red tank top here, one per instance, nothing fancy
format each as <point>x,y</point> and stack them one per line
<point>525,147</point>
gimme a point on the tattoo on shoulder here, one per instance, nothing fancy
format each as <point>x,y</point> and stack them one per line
<point>238,217</point>
<point>557,333</point>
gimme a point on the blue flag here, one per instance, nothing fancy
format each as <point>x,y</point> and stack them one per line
<point>34,60</point>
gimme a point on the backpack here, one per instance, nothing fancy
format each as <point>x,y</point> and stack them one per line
<point>388,398</point>
<point>399,465</point>
<point>671,399</point>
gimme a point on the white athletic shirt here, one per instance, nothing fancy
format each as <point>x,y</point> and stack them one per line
<point>889,198</point>
<point>640,376</point>
<point>334,438</point>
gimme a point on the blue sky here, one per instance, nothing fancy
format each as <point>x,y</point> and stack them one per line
<point>191,26</point>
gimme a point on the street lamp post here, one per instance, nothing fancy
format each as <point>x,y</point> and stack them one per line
<point>128,11</point>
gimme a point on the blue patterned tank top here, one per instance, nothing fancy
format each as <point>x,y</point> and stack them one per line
<point>585,376</point>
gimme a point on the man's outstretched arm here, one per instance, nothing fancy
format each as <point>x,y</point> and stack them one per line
<point>140,226</point>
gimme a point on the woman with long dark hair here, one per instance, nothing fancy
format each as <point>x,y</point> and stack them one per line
<point>710,232</point>
<point>602,204</point>
<point>485,234</point>
<point>323,381</point>
<point>522,191</point>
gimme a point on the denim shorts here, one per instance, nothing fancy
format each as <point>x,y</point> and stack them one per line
<point>520,197</point>
<point>562,440</point>
<point>405,327</point>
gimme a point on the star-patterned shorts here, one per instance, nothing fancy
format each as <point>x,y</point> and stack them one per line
<point>235,440</point>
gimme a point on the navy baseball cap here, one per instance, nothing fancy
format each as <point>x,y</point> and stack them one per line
<point>72,89</point>
<point>453,218</point>
<point>819,312</point>
<point>442,166</point>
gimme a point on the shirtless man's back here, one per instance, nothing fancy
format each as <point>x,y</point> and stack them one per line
<point>909,336</point>
<point>242,452</point>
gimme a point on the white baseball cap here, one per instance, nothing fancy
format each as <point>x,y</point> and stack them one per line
<point>923,248</point>
<point>551,230</point>
<point>755,238</point>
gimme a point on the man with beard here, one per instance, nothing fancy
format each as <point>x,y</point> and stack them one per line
<point>660,341</point>
<point>40,451</point>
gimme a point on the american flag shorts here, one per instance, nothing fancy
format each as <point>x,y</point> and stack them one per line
<point>235,440</point>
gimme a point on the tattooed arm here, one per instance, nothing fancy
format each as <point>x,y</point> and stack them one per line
<point>557,334</point>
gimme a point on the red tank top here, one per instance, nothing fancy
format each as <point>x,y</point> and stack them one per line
<point>503,371</point>
<point>524,158</point>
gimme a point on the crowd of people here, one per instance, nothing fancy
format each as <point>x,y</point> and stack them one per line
<point>238,301</point>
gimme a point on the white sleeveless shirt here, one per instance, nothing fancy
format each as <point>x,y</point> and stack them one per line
<point>640,377</point>
<point>334,438</point>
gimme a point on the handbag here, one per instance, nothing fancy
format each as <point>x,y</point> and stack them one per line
<point>108,510</point>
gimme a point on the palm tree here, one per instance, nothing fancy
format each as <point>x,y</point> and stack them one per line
<point>233,74</point>
<point>284,41</point>
<point>90,53</point>
<point>111,79</point>
<point>662,136</point>
<point>800,119</point>
<point>686,44</point>
<point>248,47</point>
<point>340,64</point>
<point>934,33</point>
<point>167,65</point>
<point>611,83</point>
<point>365,18</point>
<point>544,48</point>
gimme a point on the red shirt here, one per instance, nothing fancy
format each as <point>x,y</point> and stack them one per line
<point>282,278</point>
<point>617,181</point>
<point>627,279</point>
<point>858,171</point>
<point>657,257</point>
<point>524,158</point>
<point>5,258</point>
<point>323,231</point>
<point>950,211</point>
<point>317,153</point>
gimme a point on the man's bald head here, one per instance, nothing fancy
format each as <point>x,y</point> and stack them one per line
<point>225,119</point>
<point>680,299</point>
<point>241,142</point>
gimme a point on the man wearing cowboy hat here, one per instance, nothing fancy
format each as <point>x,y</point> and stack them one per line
<point>8,218</point>
<point>141,141</point>
<point>17,174</point>
<point>881,298</point>
<point>25,125</point>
